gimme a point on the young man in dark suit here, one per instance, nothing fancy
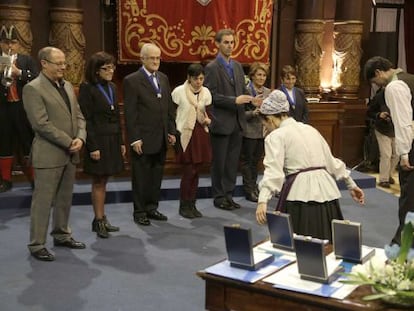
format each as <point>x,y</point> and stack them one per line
<point>15,129</point>
<point>226,82</point>
<point>150,123</point>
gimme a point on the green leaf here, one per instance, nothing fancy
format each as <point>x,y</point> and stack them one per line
<point>406,242</point>
<point>374,296</point>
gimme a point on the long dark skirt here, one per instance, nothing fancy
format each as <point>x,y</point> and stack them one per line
<point>314,218</point>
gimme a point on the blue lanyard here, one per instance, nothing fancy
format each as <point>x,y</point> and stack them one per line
<point>109,97</point>
<point>252,90</point>
<point>292,101</point>
<point>151,80</point>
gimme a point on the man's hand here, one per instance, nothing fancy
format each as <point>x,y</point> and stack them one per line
<point>76,145</point>
<point>261,213</point>
<point>243,99</point>
<point>405,164</point>
<point>171,139</point>
<point>137,147</point>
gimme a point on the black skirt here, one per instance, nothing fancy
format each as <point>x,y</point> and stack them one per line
<point>111,162</point>
<point>314,218</point>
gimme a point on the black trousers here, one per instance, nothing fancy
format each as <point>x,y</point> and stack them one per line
<point>147,172</point>
<point>225,161</point>
<point>251,154</point>
<point>406,200</point>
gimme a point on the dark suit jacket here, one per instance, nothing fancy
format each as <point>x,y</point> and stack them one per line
<point>226,115</point>
<point>148,118</point>
<point>100,119</point>
<point>29,71</point>
<point>301,111</point>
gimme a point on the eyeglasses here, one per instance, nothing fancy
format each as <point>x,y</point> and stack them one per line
<point>60,64</point>
<point>108,68</point>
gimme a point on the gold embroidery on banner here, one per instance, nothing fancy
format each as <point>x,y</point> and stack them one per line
<point>139,27</point>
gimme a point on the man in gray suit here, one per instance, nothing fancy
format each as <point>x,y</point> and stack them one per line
<point>225,80</point>
<point>59,128</point>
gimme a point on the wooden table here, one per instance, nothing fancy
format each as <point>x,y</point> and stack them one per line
<point>223,294</point>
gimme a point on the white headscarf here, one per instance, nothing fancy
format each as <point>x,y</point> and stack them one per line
<point>275,103</point>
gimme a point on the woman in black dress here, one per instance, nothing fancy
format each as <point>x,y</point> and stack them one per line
<point>105,149</point>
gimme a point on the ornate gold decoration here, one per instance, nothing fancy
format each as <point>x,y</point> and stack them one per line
<point>346,57</point>
<point>19,17</point>
<point>66,34</point>
<point>308,48</point>
<point>179,43</point>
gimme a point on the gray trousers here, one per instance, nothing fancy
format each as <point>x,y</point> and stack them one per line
<point>53,188</point>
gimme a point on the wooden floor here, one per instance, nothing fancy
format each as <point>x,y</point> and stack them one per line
<point>395,188</point>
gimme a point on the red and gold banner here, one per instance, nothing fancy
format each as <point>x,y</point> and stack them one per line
<point>185,29</point>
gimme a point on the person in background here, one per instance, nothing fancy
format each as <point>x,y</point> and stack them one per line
<point>150,123</point>
<point>384,132</point>
<point>60,131</point>
<point>15,129</point>
<point>399,88</point>
<point>192,120</point>
<point>253,144</point>
<point>298,105</point>
<point>225,80</point>
<point>105,149</point>
<point>298,158</point>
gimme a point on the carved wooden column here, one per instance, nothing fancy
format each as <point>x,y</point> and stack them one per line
<point>348,28</point>
<point>308,44</point>
<point>66,19</point>
<point>17,13</point>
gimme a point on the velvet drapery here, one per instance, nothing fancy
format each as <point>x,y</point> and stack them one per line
<point>185,30</point>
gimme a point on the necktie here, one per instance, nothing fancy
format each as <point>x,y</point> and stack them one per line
<point>155,81</point>
<point>12,94</point>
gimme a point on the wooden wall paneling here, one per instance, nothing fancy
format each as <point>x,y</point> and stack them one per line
<point>353,132</point>
<point>327,118</point>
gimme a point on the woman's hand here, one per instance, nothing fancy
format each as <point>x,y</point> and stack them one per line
<point>95,155</point>
<point>358,195</point>
<point>261,213</point>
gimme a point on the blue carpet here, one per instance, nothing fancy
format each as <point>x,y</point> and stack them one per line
<point>119,190</point>
<point>142,268</point>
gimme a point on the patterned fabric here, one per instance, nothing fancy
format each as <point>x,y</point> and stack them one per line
<point>275,103</point>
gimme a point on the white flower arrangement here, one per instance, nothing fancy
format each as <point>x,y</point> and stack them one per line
<point>393,280</point>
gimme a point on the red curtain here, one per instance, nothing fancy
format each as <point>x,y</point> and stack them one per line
<point>409,34</point>
<point>185,29</point>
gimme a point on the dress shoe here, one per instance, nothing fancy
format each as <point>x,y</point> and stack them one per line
<point>251,196</point>
<point>108,225</point>
<point>143,221</point>
<point>224,205</point>
<point>235,205</point>
<point>384,184</point>
<point>391,181</point>
<point>43,255</point>
<point>98,226</point>
<point>5,185</point>
<point>71,243</point>
<point>196,212</point>
<point>156,215</point>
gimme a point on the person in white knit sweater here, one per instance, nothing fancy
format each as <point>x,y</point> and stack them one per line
<point>192,120</point>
